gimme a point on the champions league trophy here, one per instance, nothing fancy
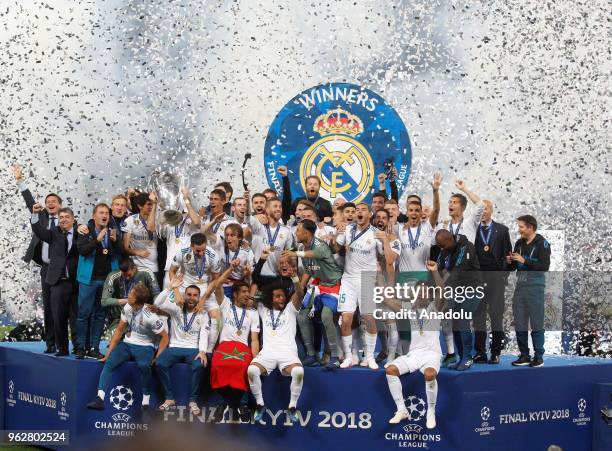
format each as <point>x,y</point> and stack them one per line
<point>167,186</point>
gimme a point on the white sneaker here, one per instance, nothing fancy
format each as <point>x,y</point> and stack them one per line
<point>364,363</point>
<point>431,419</point>
<point>399,416</point>
<point>355,359</point>
<point>346,363</point>
<point>372,363</point>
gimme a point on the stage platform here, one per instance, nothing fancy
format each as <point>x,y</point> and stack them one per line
<point>490,407</point>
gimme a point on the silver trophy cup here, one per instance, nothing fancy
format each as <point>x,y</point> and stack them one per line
<point>167,187</point>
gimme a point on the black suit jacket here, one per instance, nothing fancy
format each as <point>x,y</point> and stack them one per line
<point>59,256</point>
<point>34,248</point>
<point>500,247</point>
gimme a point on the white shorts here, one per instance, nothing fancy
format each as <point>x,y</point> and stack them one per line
<point>357,293</point>
<point>418,360</point>
<point>271,360</point>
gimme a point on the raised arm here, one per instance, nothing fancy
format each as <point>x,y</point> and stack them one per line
<point>40,231</point>
<point>435,211</point>
<point>196,221</point>
<point>286,200</point>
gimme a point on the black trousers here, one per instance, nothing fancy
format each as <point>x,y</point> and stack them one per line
<point>49,334</point>
<point>63,297</point>
<point>493,304</point>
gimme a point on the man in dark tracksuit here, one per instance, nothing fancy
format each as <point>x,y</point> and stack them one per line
<point>531,259</point>
<point>458,257</point>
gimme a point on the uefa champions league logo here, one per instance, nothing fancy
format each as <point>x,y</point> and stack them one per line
<point>485,413</point>
<point>63,399</point>
<point>582,404</point>
<point>416,408</point>
<point>11,387</point>
<point>121,397</point>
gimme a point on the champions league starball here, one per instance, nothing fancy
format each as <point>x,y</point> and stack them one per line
<point>121,397</point>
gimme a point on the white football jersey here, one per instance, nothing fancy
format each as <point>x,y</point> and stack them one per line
<point>362,250</point>
<point>177,237</point>
<point>468,224</point>
<point>425,332</point>
<point>415,252</point>
<point>143,326</point>
<point>187,330</point>
<point>279,327</point>
<point>278,238</point>
<point>229,330</point>
<point>141,238</point>
<point>196,269</point>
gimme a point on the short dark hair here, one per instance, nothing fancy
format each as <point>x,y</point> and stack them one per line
<point>309,226</point>
<point>59,199</point>
<point>193,286</point>
<point>258,195</point>
<point>305,202</point>
<point>313,177</point>
<point>383,210</point>
<point>391,201</point>
<point>364,203</point>
<point>529,220</point>
<point>274,199</point>
<point>269,190</point>
<point>198,239</point>
<point>379,194</point>
<point>461,197</point>
<point>101,205</point>
<point>414,202</point>
<point>140,199</point>
<point>348,205</point>
<point>66,210</point>
<point>126,263</point>
<point>226,186</point>
<point>237,286</point>
<point>415,195</point>
<point>220,193</point>
<point>444,234</point>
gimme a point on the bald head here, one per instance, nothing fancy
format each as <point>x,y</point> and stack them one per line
<point>445,239</point>
<point>488,211</point>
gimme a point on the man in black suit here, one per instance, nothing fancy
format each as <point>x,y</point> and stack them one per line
<point>61,271</point>
<point>38,251</point>
<point>492,246</point>
<point>313,185</point>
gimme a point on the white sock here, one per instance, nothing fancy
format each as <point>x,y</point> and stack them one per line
<point>392,340</point>
<point>370,344</point>
<point>395,387</point>
<point>297,381</point>
<point>145,400</point>
<point>213,334</point>
<point>254,374</point>
<point>101,394</point>
<point>347,343</point>
<point>450,343</point>
<point>431,390</point>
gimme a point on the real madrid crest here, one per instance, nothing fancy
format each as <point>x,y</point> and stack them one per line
<point>188,257</point>
<point>342,133</point>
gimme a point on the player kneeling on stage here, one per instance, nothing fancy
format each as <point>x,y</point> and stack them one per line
<point>232,356</point>
<point>188,340</point>
<point>143,328</point>
<point>424,354</point>
<point>279,350</point>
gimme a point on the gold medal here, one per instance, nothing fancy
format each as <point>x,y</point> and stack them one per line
<point>177,241</point>
<point>486,248</point>
<point>273,333</point>
<point>239,332</point>
<point>105,251</point>
<point>421,332</point>
<point>200,281</point>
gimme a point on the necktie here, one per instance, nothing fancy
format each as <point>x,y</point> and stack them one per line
<point>52,223</point>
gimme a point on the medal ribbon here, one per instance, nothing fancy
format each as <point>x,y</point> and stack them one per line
<point>272,239</point>
<point>187,325</point>
<point>450,228</point>
<point>241,322</point>
<point>275,323</point>
<point>105,239</point>
<point>178,232</point>
<point>127,289</point>
<point>199,270</point>
<point>486,239</point>
<point>414,242</point>
<point>355,238</point>
<point>144,224</point>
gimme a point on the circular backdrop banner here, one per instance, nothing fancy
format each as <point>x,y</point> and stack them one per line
<point>342,133</point>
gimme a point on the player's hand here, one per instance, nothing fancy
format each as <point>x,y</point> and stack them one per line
<point>381,235</point>
<point>200,307</point>
<point>288,254</point>
<point>18,172</point>
<point>101,235</point>
<point>265,253</point>
<point>247,196</point>
<point>202,358</point>
<point>381,178</point>
<point>218,218</point>
<point>176,281</point>
<point>143,253</point>
<point>246,271</point>
<point>82,229</point>
<point>460,184</point>
<point>185,192</point>
<point>341,228</point>
<point>263,219</point>
<point>326,220</point>
<point>37,208</point>
<point>282,170</point>
<point>153,197</point>
<point>122,301</point>
<point>113,235</point>
<point>235,264</point>
<point>431,266</point>
<point>518,258</point>
<point>437,181</point>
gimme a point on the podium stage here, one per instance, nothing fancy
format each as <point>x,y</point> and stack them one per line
<point>490,407</point>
